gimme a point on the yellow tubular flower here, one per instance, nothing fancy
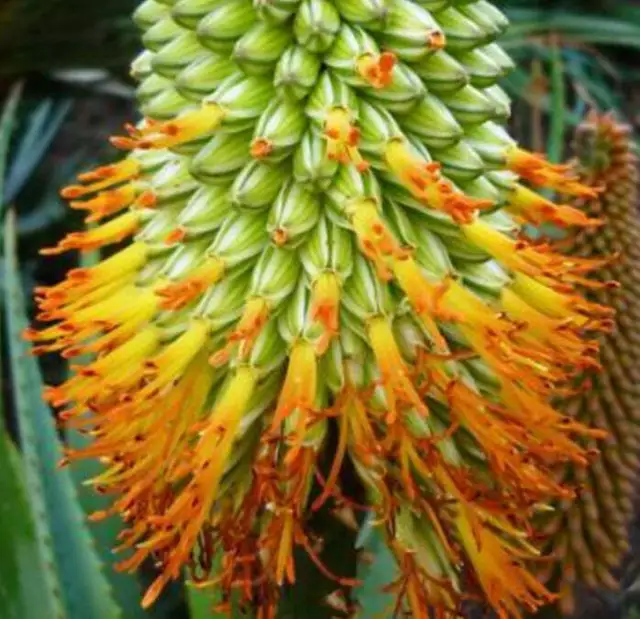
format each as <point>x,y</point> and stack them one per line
<point>325,213</point>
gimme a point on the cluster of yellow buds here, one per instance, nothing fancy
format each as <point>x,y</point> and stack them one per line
<point>326,217</point>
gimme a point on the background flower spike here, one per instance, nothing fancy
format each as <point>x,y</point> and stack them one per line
<point>590,536</point>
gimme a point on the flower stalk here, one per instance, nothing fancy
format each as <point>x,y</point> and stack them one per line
<point>325,213</point>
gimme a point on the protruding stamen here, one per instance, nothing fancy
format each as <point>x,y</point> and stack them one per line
<point>377,70</point>
<point>178,295</point>
<point>255,316</point>
<point>261,148</point>
<point>343,138</point>
<point>425,182</point>
<point>325,307</point>
<point>113,231</point>
<point>436,40</point>
<point>376,242</point>
<point>299,389</point>
<point>395,374</point>
<point>537,210</point>
<point>107,202</point>
<point>540,172</point>
<point>423,297</point>
<point>102,178</point>
<point>186,128</point>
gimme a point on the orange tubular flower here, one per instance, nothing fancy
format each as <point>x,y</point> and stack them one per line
<point>425,182</point>
<point>287,309</point>
<point>538,171</point>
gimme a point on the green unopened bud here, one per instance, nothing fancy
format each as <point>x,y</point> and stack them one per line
<point>410,31</point>
<point>500,57</point>
<point>152,86</point>
<point>222,157</point>
<point>293,214</point>
<point>177,55</point>
<point>462,33</point>
<point>296,72</point>
<point>204,75</point>
<point>332,368</point>
<point>243,100</point>
<point>311,164</point>
<point>399,224</point>
<point>433,6</point>
<point>329,248</point>
<point>269,351</point>
<point>503,179</point>
<point>350,185</point>
<point>483,71</point>
<point>189,13</point>
<point>223,303</point>
<point>206,210</point>
<point>469,106</point>
<point>365,296</point>
<point>316,24</point>
<point>431,252</point>
<point>161,33</point>
<point>350,44</point>
<point>501,102</point>
<point>330,93</point>
<point>167,104</point>
<point>276,11</point>
<point>490,141</point>
<point>141,66</point>
<point>482,188</point>
<point>377,128</point>
<point>432,121</point>
<point>366,13</point>
<point>460,162</point>
<point>257,184</point>
<point>486,277</point>
<point>241,237</point>
<point>293,320</point>
<point>486,16</point>
<point>173,184</point>
<point>462,250</point>
<point>182,260</point>
<point>275,275</point>
<point>155,230</point>
<point>225,24</point>
<point>149,13</point>
<point>402,94</point>
<point>279,130</point>
<point>259,49</point>
<point>441,73</point>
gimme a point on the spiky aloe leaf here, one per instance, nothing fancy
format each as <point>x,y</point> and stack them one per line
<point>73,569</point>
<point>24,555</point>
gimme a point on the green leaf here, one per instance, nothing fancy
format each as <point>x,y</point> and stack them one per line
<point>311,595</point>
<point>85,591</point>
<point>590,29</point>
<point>555,142</point>
<point>25,554</point>
<point>7,121</point>
<point>42,126</point>
<point>377,568</point>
